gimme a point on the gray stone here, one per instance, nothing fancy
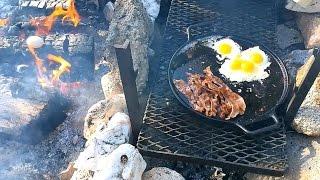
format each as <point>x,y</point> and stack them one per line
<point>307,120</point>
<point>287,36</point>
<point>309,25</point>
<point>162,173</point>
<point>295,60</point>
<point>307,6</point>
<point>134,27</point>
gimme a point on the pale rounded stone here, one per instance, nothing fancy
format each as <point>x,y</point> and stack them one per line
<point>101,112</point>
<point>162,173</point>
<point>307,6</point>
<point>105,140</point>
<point>125,162</point>
<point>111,84</point>
<point>35,42</point>
<point>309,25</point>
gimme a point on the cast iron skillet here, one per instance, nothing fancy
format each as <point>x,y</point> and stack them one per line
<point>262,98</point>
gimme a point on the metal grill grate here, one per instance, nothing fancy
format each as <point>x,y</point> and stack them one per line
<point>169,130</point>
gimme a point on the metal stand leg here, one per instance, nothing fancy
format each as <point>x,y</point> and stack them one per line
<point>302,91</point>
<point>128,79</point>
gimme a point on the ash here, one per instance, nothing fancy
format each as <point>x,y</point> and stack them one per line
<point>18,83</point>
<point>49,157</point>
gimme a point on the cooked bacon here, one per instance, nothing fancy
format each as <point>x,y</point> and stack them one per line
<point>209,95</point>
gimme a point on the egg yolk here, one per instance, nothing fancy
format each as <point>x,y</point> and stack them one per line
<point>224,49</point>
<point>256,58</point>
<point>247,67</point>
<point>236,64</point>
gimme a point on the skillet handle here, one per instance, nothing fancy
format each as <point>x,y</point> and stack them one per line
<point>194,27</point>
<point>254,131</point>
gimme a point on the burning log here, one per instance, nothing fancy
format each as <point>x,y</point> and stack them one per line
<point>44,25</point>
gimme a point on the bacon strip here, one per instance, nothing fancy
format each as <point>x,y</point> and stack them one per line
<point>209,95</point>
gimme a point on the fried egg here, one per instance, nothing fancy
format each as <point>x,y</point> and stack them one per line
<point>248,66</point>
<point>256,56</point>
<point>226,48</point>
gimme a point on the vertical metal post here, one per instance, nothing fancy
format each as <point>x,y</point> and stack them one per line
<point>128,78</point>
<point>302,91</point>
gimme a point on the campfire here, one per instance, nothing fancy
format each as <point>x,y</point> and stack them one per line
<point>43,27</point>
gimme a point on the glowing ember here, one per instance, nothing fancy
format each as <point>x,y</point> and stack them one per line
<point>44,25</point>
<point>4,22</point>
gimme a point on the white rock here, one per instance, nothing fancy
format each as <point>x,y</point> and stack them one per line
<point>162,173</point>
<point>123,163</point>
<point>101,112</point>
<point>35,41</point>
<point>152,7</point>
<point>307,6</point>
<point>104,141</point>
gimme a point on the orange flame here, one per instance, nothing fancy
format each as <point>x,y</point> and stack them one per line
<point>54,80</point>
<point>4,22</point>
<point>44,25</point>
<point>72,14</point>
<point>64,67</point>
<point>40,67</point>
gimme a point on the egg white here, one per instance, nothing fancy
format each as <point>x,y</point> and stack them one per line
<point>240,76</point>
<point>236,49</point>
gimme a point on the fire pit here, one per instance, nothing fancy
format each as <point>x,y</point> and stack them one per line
<point>60,110</point>
<point>45,84</point>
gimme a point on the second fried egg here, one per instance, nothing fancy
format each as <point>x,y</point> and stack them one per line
<point>248,66</point>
